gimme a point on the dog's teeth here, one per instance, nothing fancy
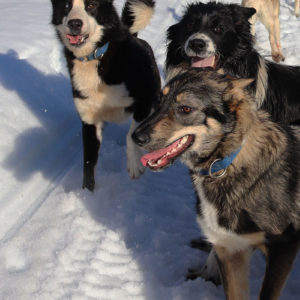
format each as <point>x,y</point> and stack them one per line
<point>180,144</point>
<point>184,140</point>
<point>151,164</point>
<point>213,62</point>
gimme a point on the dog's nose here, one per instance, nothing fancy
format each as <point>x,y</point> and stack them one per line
<point>140,139</point>
<point>75,25</point>
<point>197,45</point>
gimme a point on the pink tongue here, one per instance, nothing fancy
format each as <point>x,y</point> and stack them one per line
<point>74,39</point>
<point>155,155</point>
<point>202,62</point>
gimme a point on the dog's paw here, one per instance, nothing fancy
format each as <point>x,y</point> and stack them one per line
<point>88,183</point>
<point>278,57</point>
<point>193,274</point>
<point>210,273</point>
<point>210,270</point>
<point>202,272</point>
<point>135,168</point>
<point>134,165</point>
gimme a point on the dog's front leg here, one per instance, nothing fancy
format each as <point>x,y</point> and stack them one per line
<point>210,270</point>
<point>91,138</point>
<point>234,268</point>
<point>296,8</point>
<point>134,153</point>
<point>280,258</point>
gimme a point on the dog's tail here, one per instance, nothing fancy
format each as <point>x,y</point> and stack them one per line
<point>136,14</point>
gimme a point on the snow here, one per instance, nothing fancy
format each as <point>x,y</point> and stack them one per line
<point>128,239</point>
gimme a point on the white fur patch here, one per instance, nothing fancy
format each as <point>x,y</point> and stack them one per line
<point>216,234</point>
<point>90,27</point>
<point>208,51</point>
<point>103,102</point>
<point>262,83</point>
<point>142,15</point>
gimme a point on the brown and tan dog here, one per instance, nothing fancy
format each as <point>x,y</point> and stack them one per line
<point>245,169</point>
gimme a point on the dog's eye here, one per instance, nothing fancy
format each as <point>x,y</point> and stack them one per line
<point>90,5</point>
<point>218,29</point>
<point>67,5</point>
<point>185,109</point>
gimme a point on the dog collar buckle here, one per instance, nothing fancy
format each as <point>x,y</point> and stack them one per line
<point>220,165</point>
<point>96,55</point>
<point>211,173</point>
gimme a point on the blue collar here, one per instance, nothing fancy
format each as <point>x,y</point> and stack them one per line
<point>220,164</point>
<point>95,54</point>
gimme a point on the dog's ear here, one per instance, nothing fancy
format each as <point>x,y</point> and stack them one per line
<point>237,87</point>
<point>241,14</point>
<point>241,83</point>
<point>235,95</point>
<point>248,12</point>
<point>58,11</point>
<point>172,31</point>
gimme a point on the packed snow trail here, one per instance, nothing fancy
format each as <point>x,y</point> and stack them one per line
<point>128,239</point>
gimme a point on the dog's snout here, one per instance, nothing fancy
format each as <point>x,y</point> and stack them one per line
<point>197,45</point>
<point>141,138</point>
<point>75,25</point>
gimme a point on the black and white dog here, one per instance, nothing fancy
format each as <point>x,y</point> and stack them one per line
<point>216,35</point>
<point>114,73</point>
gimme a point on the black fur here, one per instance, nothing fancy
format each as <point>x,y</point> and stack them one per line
<point>236,55</point>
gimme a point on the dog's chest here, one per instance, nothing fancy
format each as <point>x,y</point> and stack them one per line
<point>102,102</point>
<point>209,223</point>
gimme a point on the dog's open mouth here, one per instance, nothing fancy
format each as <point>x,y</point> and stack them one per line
<point>163,157</point>
<point>208,62</point>
<point>77,40</point>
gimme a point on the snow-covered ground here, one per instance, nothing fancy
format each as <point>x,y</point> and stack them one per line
<point>127,240</point>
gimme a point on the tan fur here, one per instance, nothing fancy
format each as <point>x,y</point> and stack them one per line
<point>267,11</point>
<point>234,267</point>
<point>179,97</point>
<point>143,14</point>
<point>238,90</point>
<point>296,8</point>
<point>263,249</point>
<point>172,72</point>
<point>213,124</point>
<point>166,90</point>
<point>253,135</point>
<point>255,239</point>
<point>261,83</point>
